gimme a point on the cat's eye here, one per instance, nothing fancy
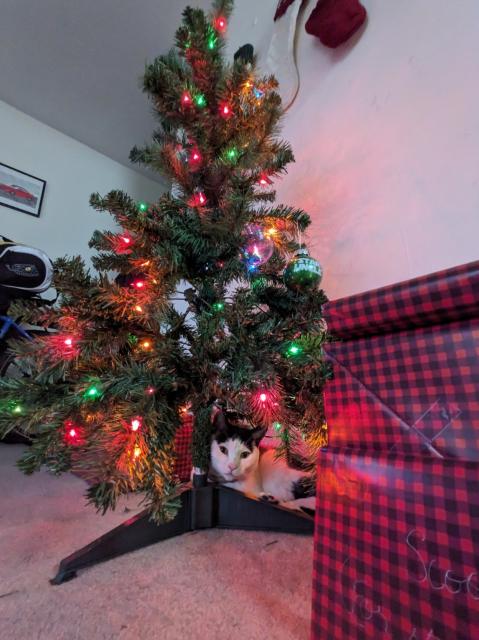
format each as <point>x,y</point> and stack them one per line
<point>245,454</point>
<point>223,450</point>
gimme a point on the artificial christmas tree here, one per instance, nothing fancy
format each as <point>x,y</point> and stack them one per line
<point>106,390</point>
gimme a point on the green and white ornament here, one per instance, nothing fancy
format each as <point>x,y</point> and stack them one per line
<point>303,272</point>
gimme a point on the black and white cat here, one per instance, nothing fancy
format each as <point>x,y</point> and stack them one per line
<point>238,462</point>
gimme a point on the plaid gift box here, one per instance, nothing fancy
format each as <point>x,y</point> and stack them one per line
<point>403,416</point>
<point>396,552</point>
<point>408,388</point>
<point>183,437</point>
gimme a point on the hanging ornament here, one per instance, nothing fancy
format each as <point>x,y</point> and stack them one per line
<point>303,272</point>
<point>258,248</point>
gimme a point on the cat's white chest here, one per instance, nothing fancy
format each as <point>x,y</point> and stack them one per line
<point>277,479</point>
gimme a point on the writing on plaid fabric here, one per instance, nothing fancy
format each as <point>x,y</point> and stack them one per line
<point>437,577</point>
<point>430,635</point>
<point>358,599</point>
<point>437,419</point>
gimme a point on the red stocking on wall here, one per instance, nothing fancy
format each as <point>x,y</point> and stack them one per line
<point>335,21</point>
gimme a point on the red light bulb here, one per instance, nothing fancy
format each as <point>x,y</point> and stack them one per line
<point>186,99</point>
<point>263,397</point>
<point>126,239</point>
<point>225,110</point>
<point>138,284</point>
<point>68,342</point>
<point>264,180</point>
<point>198,199</point>
<point>73,434</point>
<point>221,24</point>
<point>150,391</point>
<point>195,157</point>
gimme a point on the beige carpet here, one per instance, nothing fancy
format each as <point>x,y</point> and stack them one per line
<point>224,585</point>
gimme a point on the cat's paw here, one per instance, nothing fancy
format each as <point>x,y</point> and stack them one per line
<point>266,497</point>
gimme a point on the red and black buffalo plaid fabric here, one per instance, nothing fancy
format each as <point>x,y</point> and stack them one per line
<point>183,462</point>
<point>403,417</point>
<point>436,298</point>
<point>397,548</point>
<point>412,389</point>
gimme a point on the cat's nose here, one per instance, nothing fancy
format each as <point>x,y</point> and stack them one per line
<point>232,466</point>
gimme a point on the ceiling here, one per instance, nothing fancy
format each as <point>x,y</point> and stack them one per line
<point>75,65</point>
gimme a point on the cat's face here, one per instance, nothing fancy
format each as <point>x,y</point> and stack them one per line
<point>234,447</point>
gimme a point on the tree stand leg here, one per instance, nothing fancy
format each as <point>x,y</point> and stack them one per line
<point>203,507</point>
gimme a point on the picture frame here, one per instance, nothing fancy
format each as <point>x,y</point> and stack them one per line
<point>21,191</point>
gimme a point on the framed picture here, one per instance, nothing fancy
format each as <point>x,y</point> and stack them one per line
<point>20,190</point>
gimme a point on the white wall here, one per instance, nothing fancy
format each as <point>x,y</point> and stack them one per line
<point>385,132</point>
<point>73,171</point>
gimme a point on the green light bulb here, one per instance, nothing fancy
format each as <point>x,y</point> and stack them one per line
<point>17,409</point>
<point>142,206</point>
<point>200,100</point>
<point>92,392</point>
<point>211,42</point>
<point>218,306</point>
<point>277,426</point>
<point>232,153</point>
<point>294,350</point>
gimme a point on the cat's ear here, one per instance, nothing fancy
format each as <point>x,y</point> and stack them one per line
<point>218,419</point>
<point>258,434</point>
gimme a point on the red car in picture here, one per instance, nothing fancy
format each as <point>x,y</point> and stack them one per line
<point>14,191</point>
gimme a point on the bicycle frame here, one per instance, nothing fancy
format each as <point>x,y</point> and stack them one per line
<point>9,323</point>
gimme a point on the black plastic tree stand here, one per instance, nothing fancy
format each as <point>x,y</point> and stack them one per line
<point>202,507</point>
